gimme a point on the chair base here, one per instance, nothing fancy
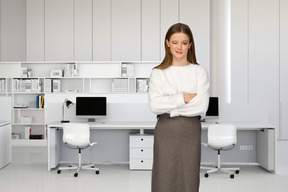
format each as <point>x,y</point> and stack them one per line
<point>230,171</point>
<point>90,167</point>
<point>77,168</point>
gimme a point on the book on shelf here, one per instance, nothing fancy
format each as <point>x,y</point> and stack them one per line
<point>120,85</point>
<point>26,85</point>
<point>127,70</point>
<point>40,101</point>
<point>23,72</point>
<point>2,85</point>
<point>48,85</point>
<point>142,85</point>
<point>20,106</point>
<point>27,132</point>
<point>56,85</point>
<point>70,70</point>
<point>26,119</point>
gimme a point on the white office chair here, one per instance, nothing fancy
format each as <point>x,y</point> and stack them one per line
<point>221,137</point>
<point>77,136</point>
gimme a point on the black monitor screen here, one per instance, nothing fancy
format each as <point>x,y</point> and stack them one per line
<point>213,108</point>
<point>91,106</point>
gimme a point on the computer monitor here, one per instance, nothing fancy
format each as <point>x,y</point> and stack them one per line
<point>213,108</point>
<point>91,108</point>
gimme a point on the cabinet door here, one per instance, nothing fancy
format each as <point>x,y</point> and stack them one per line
<point>150,30</point>
<point>169,16</point>
<point>83,30</point>
<point>59,30</point>
<point>35,30</point>
<point>126,30</point>
<point>101,30</point>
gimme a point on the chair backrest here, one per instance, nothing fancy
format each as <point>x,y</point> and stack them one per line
<point>76,134</point>
<point>222,135</point>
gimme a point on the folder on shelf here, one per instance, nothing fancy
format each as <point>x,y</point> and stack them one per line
<point>40,101</point>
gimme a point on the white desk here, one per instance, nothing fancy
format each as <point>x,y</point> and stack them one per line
<point>5,144</point>
<point>265,138</point>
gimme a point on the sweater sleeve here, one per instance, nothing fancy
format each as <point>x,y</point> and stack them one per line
<point>159,102</point>
<point>199,104</point>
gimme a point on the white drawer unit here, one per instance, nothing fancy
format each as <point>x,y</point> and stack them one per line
<point>141,152</point>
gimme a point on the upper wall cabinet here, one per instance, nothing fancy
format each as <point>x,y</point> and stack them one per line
<point>126,30</point>
<point>83,32</point>
<point>12,30</point>
<point>35,30</point>
<point>151,42</point>
<point>59,30</point>
<point>101,30</point>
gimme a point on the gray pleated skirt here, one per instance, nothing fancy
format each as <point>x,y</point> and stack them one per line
<point>177,153</point>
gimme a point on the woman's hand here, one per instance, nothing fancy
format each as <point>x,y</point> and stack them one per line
<point>188,97</point>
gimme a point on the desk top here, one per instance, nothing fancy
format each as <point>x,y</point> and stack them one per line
<point>2,123</point>
<point>150,125</point>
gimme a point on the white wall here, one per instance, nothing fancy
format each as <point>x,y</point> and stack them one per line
<point>283,69</point>
<point>257,60</point>
<point>255,55</point>
<point>220,50</point>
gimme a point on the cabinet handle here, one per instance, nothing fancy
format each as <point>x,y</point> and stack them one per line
<point>141,161</point>
<point>142,139</point>
<point>141,150</point>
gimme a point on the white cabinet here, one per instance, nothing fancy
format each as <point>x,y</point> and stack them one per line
<point>141,152</point>
<point>83,36</point>
<point>101,30</point>
<point>151,42</point>
<point>59,30</point>
<point>126,30</point>
<point>35,30</point>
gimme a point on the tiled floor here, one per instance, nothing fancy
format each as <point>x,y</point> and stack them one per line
<point>28,173</point>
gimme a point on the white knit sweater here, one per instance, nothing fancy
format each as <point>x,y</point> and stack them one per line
<point>166,88</point>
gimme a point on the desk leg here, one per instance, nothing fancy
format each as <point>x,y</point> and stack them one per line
<point>53,148</point>
<point>266,149</point>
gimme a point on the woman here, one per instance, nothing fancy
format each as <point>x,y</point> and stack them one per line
<point>179,95</point>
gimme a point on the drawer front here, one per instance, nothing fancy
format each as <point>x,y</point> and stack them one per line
<point>145,141</point>
<point>141,153</point>
<point>141,164</point>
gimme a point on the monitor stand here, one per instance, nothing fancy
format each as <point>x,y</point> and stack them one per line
<point>93,120</point>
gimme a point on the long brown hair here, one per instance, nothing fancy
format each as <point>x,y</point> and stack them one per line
<point>178,28</point>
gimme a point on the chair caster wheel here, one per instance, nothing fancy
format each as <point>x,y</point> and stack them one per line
<point>97,172</point>
<point>75,174</point>
<point>206,175</point>
<point>59,171</point>
<point>237,171</point>
<point>232,176</point>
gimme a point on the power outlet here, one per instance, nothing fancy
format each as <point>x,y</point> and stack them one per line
<point>243,147</point>
<point>246,147</point>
